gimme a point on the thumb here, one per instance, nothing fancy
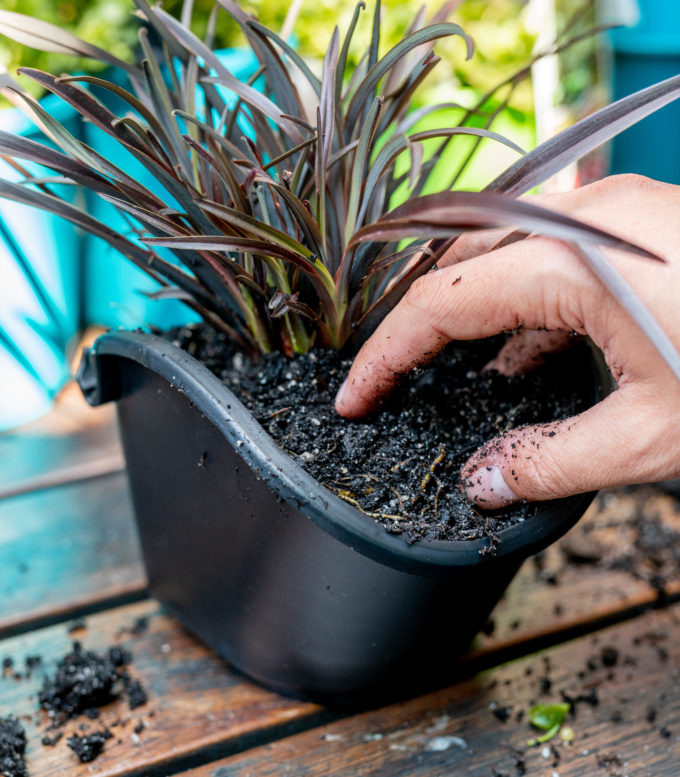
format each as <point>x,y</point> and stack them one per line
<point>613,443</point>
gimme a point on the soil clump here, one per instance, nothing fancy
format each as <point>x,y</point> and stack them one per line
<point>85,680</point>
<point>12,748</point>
<point>88,746</point>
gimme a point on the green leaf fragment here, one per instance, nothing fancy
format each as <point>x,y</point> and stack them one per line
<point>548,718</point>
<point>545,716</point>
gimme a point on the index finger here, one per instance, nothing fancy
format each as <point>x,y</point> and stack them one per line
<point>482,297</point>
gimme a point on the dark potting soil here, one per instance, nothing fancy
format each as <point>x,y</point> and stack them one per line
<point>85,680</point>
<point>401,464</point>
<point>135,692</point>
<point>12,748</point>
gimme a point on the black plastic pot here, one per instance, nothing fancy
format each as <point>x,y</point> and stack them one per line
<point>286,581</point>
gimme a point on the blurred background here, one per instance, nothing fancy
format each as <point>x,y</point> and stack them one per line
<point>55,282</point>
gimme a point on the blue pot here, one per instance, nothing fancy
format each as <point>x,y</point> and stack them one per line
<point>114,288</point>
<point>646,53</point>
<point>39,295</point>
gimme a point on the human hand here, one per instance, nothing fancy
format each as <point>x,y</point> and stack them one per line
<point>633,435</point>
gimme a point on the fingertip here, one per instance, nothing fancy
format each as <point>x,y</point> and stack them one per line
<point>527,350</point>
<point>354,405</point>
<point>486,487</point>
<point>348,402</point>
<point>342,407</point>
<point>504,367</point>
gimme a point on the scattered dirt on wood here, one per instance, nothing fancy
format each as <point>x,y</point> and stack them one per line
<point>84,681</point>
<point>633,531</point>
<point>401,465</point>
<point>12,748</point>
<point>612,763</point>
<point>88,746</point>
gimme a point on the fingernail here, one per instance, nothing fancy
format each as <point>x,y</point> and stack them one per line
<point>341,392</point>
<point>487,488</point>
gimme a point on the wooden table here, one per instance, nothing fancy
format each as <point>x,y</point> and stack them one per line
<point>68,549</point>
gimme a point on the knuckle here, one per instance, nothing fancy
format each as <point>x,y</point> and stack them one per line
<point>563,287</point>
<point>622,183</point>
<point>427,296</point>
<point>628,181</point>
<point>541,476</point>
<point>423,294</point>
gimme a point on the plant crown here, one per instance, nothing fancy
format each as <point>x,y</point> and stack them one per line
<point>273,207</point>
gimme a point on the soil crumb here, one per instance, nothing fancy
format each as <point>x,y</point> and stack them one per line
<point>136,694</point>
<point>12,748</point>
<point>89,746</point>
<point>401,464</point>
<point>85,680</point>
<point>612,763</point>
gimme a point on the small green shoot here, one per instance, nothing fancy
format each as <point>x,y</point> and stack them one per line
<point>548,718</point>
<point>567,734</point>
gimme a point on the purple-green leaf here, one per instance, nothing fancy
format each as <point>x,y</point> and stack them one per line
<point>446,212</point>
<point>584,136</point>
<point>634,306</point>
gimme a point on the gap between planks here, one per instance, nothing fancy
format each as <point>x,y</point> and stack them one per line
<point>203,710</point>
<point>633,729</point>
<point>77,473</point>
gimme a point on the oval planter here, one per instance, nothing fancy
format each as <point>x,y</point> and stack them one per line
<point>289,583</point>
<point>40,258</point>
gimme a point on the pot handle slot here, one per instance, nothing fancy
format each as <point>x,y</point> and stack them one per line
<point>98,377</point>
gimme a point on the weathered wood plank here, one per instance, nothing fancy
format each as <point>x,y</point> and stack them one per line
<point>633,730</point>
<point>619,557</point>
<point>195,701</point>
<point>190,684</point>
<point>67,444</point>
<point>67,548</point>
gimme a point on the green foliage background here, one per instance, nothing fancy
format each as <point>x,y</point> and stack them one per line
<point>108,23</point>
<point>503,43</point>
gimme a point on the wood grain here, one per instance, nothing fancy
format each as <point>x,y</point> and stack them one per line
<point>203,710</point>
<point>195,701</point>
<point>63,445</point>
<point>454,731</point>
<point>560,595</point>
<point>65,549</point>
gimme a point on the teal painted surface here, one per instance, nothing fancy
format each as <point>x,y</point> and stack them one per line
<point>114,286</point>
<point>644,54</point>
<point>39,293</point>
<point>657,30</point>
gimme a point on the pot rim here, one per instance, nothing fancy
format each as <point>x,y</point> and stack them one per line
<point>100,384</point>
